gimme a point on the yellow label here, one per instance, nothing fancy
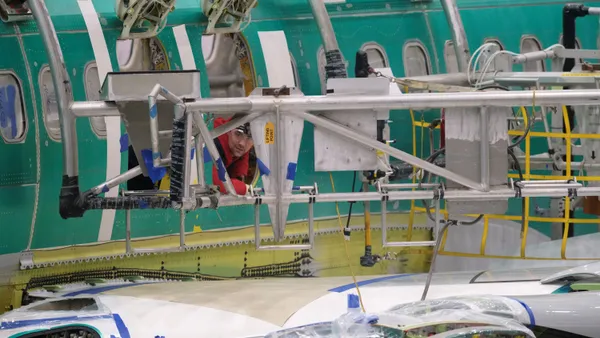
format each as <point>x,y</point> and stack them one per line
<point>269,133</point>
<point>581,74</point>
<point>197,228</point>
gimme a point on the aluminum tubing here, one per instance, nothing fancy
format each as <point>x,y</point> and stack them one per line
<point>459,36</point>
<point>62,85</point>
<point>415,101</point>
<point>153,113</point>
<point>124,177</point>
<point>94,109</point>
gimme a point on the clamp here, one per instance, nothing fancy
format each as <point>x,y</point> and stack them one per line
<point>438,194</point>
<point>572,191</point>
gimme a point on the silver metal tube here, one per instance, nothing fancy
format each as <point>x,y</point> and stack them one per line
<point>199,144</point>
<point>145,192</point>
<point>384,242</point>
<point>154,129</point>
<point>128,231</point>
<point>579,97</point>
<point>484,149</point>
<point>187,166</point>
<point>94,109</point>
<point>555,186</point>
<point>311,224</point>
<point>165,133</point>
<point>393,186</point>
<point>410,159</point>
<point>324,24</point>
<point>459,36</point>
<point>257,226</point>
<point>533,56</point>
<point>62,86</point>
<point>279,224</point>
<point>214,153</point>
<point>594,10</point>
<point>113,182</point>
<point>182,229</point>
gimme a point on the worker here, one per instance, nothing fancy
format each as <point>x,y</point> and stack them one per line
<point>234,147</point>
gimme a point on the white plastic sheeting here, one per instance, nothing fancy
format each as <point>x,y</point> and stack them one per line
<point>476,314</point>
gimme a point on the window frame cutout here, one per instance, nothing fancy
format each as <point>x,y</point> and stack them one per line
<point>424,51</point>
<point>23,111</point>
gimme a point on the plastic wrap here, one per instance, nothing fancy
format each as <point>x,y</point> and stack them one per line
<point>483,316</point>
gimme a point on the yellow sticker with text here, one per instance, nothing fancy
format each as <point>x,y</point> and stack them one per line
<point>269,133</point>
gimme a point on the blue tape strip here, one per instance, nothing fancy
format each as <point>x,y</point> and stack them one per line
<point>291,171</point>
<point>105,188</point>
<point>7,109</point>
<point>99,289</point>
<point>367,282</point>
<point>262,168</point>
<point>193,152</point>
<point>153,111</point>
<point>124,141</point>
<point>155,174</point>
<point>206,155</point>
<point>529,312</point>
<point>221,170</point>
<point>123,331</point>
<point>49,321</point>
<point>143,204</point>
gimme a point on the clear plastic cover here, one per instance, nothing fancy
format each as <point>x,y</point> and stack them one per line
<point>483,316</point>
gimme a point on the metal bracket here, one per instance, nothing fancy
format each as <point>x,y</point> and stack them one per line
<point>14,10</point>
<point>313,192</point>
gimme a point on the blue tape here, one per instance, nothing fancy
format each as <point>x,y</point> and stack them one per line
<point>296,187</point>
<point>221,170</point>
<point>262,168</point>
<point>123,331</point>
<point>193,152</point>
<point>7,109</point>
<point>291,171</point>
<point>153,111</point>
<point>155,174</point>
<point>99,289</point>
<point>206,155</point>
<point>51,321</point>
<point>105,188</point>
<point>529,312</point>
<point>143,204</point>
<point>124,140</point>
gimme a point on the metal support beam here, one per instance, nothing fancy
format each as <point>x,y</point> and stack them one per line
<point>459,36</point>
<point>415,101</point>
<point>62,86</point>
<point>124,177</point>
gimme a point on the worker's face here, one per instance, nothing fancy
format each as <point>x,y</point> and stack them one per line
<point>239,143</point>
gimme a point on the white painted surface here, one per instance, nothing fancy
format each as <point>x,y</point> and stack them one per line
<point>151,318</point>
<point>113,123</point>
<point>188,62</point>
<point>377,299</point>
<point>279,73</point>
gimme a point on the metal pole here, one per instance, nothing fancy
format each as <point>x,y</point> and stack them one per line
<point>113,182</point>
<point>278,224</point>
<point>62,86</point>
<point>415,101</point>
<point>182,229</point>
<point>94,109</point>
<point>128,231</point>
<point>484,150</point>
<point>459,36</point>
<point>410,159</point>
<point>324,23</point>
<point>200,159</point>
